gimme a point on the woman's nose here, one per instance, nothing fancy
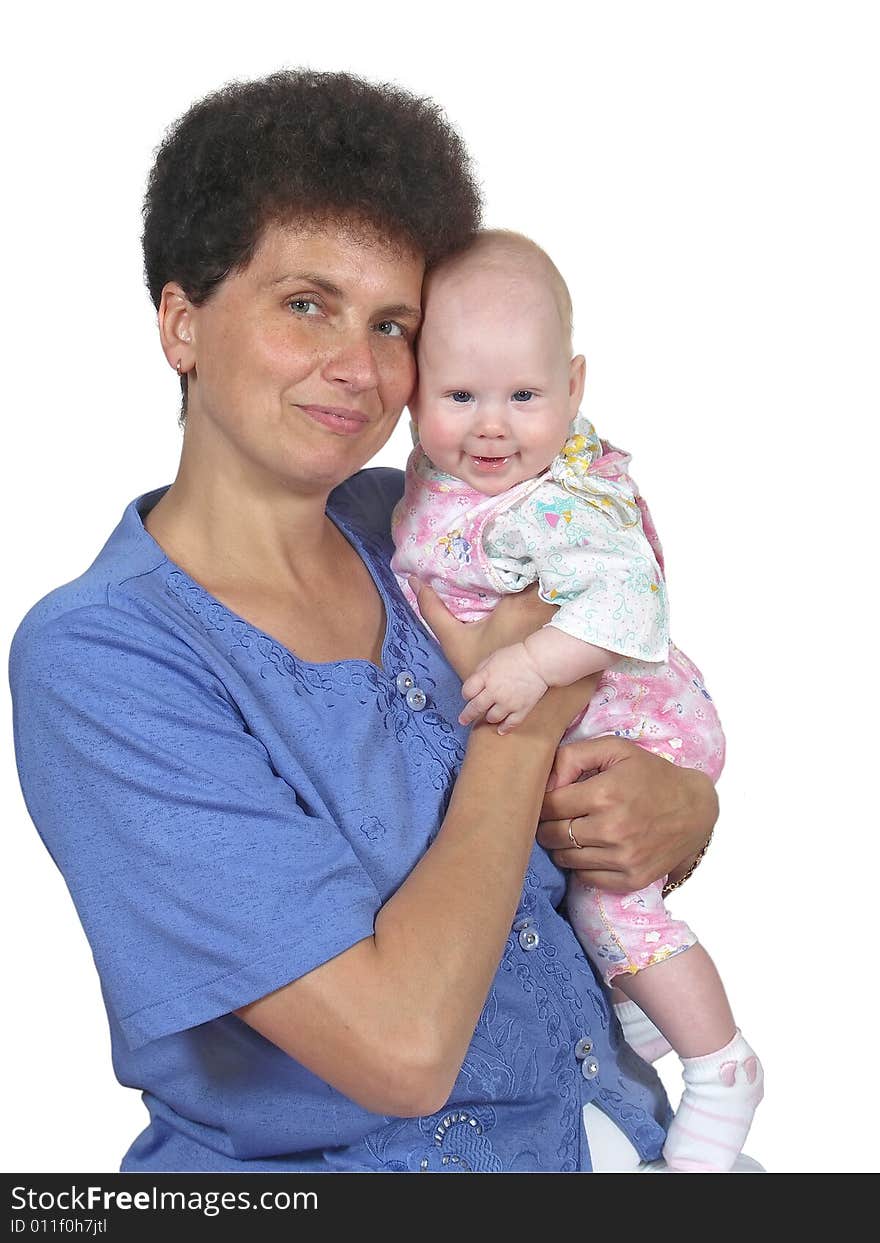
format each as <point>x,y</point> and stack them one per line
<point>353,362</point>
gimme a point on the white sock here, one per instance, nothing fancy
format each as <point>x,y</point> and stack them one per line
<point>640,1033</point>
<point>721,1093</point>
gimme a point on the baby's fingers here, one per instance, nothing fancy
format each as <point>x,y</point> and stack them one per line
<point>477,708</point>
<point>510,722</point>
<point>474,685</point>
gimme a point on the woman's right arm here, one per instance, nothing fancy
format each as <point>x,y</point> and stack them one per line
<point>388,1021</point>
<point>206,880</point>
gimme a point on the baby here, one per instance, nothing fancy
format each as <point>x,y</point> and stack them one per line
<point>510,485</point>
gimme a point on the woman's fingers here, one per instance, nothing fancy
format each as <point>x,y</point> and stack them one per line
<point>518,615</point>
<point>594,861</point>
<point>598,844</point>
<point>434,611</point>
<point>455,637</point>
<point>576,759</point>
<point>599,878</point>
<point>649,816</point>
<point>582,798</point>
<point>604,867</point>
<point>586,834</point>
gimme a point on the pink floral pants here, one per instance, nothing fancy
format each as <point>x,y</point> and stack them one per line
<point>667,710</point>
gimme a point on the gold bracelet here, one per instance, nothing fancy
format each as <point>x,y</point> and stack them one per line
<point>670,885</point>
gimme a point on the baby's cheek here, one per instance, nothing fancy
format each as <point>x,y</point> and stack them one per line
<point>438,436</point>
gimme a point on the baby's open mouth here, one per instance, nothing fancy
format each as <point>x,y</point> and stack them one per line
<point>490,463</point>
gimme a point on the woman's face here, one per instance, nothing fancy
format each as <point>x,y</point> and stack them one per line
<point>302,362</point>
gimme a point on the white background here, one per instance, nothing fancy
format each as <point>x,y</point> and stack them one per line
<point>706,176</point>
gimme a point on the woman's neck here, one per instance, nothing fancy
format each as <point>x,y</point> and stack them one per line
<point>271,555</point>
<point>228,527</point>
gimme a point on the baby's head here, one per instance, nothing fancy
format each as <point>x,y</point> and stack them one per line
<point>497,386</point>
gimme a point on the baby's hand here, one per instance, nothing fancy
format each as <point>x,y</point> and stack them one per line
<point>504,688</point>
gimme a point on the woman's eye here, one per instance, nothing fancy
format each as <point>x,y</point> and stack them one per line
<point>388,328</point>
<point>304,306</point>
<point>523,394</point>
<point>460,395</point>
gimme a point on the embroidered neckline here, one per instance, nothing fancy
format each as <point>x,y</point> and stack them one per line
<point>400,644</point>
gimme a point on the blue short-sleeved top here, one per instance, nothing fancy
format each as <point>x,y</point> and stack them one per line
<point>228,817</point>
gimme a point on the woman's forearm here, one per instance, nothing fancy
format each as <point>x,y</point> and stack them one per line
<point>438,941</point>
<point>389,1020</point>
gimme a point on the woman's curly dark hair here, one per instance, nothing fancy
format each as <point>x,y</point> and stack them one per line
<point>302,145</point>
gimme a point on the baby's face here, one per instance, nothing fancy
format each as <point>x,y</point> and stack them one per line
<point>496,389</point>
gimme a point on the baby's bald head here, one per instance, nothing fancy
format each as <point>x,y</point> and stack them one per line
<point>501,257</point>
<point>497,385</point>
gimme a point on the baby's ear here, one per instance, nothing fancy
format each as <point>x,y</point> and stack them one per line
<point>412,409</point>
<point>577,374</point>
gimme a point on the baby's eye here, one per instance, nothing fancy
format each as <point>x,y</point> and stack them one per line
<point>388,328</point>
<point>304,306</point>
<point>461,395</point>
<point>523,394</point>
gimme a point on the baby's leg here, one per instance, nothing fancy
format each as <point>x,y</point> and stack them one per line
<point>685,998</point>
<point>670,981</point>
<point>638,1030</point>
<point>665,708</point>
<point>657,964</point>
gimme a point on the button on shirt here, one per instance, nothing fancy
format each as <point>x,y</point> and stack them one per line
<point>228,817</point>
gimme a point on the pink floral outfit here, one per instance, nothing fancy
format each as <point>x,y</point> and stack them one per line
<point>583,533</point>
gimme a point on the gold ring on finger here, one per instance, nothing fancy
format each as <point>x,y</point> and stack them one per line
<point>571,837</point>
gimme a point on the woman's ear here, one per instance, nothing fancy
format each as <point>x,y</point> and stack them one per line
<point>577,374</point>
<point>176,329</point>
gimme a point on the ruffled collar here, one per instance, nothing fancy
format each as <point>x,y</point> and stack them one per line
<point>585,466</point>
<point>592,470</point>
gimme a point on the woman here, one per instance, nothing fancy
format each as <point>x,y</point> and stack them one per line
<point>326,937</point>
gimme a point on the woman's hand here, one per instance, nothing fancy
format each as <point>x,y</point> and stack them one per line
<point>466,644</point>
<point>636,818</point>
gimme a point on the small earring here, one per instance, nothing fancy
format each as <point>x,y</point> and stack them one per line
<point>178,367</point>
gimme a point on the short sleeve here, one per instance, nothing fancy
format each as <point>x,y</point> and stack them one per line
<point>602,574</point>
<point>201,879</point>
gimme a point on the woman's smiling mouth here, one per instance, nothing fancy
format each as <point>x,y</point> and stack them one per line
<point>337,418</point>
